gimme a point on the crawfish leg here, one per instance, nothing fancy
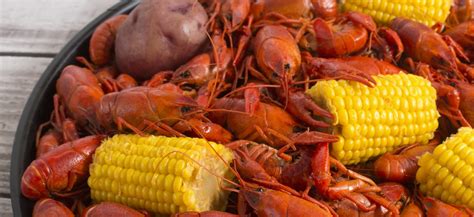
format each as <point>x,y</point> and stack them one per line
<point>281,151</point>
<point>351,173</point>
<point>382,201</point>
<point>243,42</point>
<point>252,99</point>
<point>163,128</point>
<point>359,204</point>
<point>69,130</point>
<point>254,72</point>
<point>121,123</point>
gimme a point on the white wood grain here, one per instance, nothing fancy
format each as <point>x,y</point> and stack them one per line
<point>5,207</point>
<point>44,26</point>
<point>18,76</point>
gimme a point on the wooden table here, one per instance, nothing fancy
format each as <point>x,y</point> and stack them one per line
<point>32,32</point>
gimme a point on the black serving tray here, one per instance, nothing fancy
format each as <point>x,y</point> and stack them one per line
<point>40,104</point>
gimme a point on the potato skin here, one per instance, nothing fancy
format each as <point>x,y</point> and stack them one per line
<point>160,35</point>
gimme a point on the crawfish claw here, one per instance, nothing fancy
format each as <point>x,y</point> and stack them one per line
<point>336,69</point>
<point>303,107</point>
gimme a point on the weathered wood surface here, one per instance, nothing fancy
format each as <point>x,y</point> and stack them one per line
<point>31,33</point>
<point>44,26</point>
<point>18,76</point>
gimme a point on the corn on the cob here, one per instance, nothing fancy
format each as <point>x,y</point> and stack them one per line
<point>160,174</point>
<point>384,11</point>
<point>447,173</point>
<point>399,110</point>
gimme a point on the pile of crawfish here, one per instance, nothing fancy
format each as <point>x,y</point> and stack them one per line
<point>246,88</point>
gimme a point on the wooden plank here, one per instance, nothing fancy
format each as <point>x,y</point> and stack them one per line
<point>6,207</point>
<point>44,26</point>
<point>18,76</point>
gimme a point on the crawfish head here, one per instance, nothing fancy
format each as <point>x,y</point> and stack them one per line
<point>194,73</point>
<point>279,67</point>
<point>253,195</point>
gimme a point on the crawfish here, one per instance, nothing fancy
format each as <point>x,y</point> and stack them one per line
<point>112,209</point>
<point>102,42</point>
<point>395,193</point>
<point>270,124</point>
<point>231,13</point>
<point>321,174</point>
<point>463,34</point>
<point>63,125</point>
<point>277,67</point>
<point>193,74</point>
<point>455,98</point>
<point>47,207</point>
<point>425,45</point>
<point>291,9</point>
<point>61,170</point>
<point>466,100</point>
<point>250,169</point>
<point>280,68</point>
<point>401,165</point>
<point>412,210</point>
<point>436,208</point>
<point>326,9</point>
<point>260,161</point>
<point>80,91</point>
<point>349,33</point>
<point>107,76</point>
<point>355,68</point>
<point>161,109</point>
<point>49,141</point>
<point>461,11</point>
<point>267,202</point>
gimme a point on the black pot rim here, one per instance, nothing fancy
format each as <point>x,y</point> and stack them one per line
<point>31,117</point>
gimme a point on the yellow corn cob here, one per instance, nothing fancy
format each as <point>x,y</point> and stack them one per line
<point>384,11</point>
<point>399,110</point>
<point>447,174</point>
<point>160,174</point>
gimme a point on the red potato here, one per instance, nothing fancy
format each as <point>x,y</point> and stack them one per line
<point>160,35</point>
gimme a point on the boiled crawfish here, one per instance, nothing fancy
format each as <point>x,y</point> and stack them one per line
<point>436,208</point>
<point>87,104</point>
<point>49,141</point>
<point>158,109</point>
<point>270,124</point>
<point>290,9</point>
<point>463,34</point>
<point>348,34</point>
<point>112,209</point>
<point>395,193</point>
<point>80,91</point>
<point>401,165</point>
<point>281,68</point>
<point>425,45</point>
<point>47,207</point>
<point>355,68</point>
<point>326,9</point>
<point>102,42</point>
<point>268,202</point>
<point>277,67</point>
<point>60,171</point>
